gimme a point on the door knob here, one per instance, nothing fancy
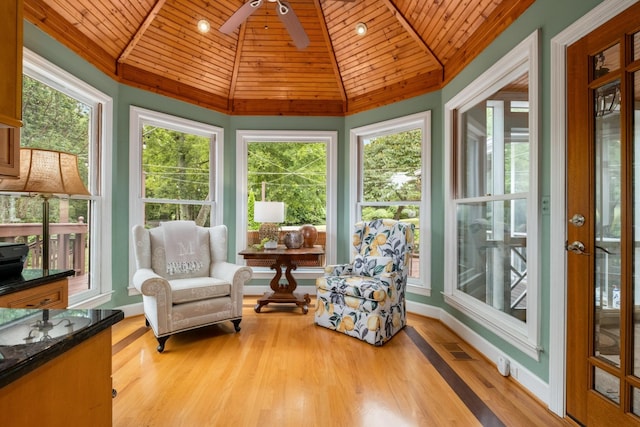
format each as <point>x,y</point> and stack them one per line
<point>577,220</point>
<point>576,247</point>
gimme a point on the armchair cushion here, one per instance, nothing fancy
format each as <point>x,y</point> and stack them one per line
<point>364,265</point>
<point>159,259</point>
<point>198,288</point>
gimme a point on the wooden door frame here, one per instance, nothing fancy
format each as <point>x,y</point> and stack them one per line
<point>558,221</point>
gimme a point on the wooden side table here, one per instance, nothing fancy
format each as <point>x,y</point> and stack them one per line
<point>282,257</point>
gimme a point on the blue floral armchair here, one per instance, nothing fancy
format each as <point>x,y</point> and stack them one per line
<point>366,299</point>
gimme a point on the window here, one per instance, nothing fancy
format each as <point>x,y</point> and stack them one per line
<point>297,168</point>
<point>63,113</point>
<point>491,216</point>
<point>176,169</point>
<point>392,180</point>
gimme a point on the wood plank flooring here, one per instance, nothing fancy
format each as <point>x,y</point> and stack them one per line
<point>282,370</point>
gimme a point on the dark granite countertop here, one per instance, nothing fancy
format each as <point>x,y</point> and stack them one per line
<point>30,338</point>
<point>31,278</point>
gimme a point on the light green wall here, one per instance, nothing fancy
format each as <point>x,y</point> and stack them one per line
<point>551,16</point>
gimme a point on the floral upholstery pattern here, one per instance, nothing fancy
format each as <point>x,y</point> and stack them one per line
<point>179,302</point>
<point>366,299</point>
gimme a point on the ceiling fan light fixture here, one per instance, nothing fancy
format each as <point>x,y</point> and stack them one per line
<point>361,28</point>
<point>204,26</point>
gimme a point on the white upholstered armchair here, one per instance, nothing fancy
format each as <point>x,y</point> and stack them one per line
<point>195,288</point>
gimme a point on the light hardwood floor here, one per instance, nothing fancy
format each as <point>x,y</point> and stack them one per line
<point>282,370</point>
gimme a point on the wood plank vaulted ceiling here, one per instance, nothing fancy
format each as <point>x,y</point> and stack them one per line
<point>412,47</point>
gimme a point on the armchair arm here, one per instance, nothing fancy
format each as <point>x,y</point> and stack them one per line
<point>149,283</point>
<point>156,297</point>
<point>235,274</point>
<point>338,269</point>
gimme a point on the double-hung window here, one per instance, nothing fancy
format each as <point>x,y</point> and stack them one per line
<point>298,169</point>
<point>491,213</point>
<point>391,180</point>
<point>63,113</point>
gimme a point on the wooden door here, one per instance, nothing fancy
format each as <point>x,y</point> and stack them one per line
<point>603,208</point>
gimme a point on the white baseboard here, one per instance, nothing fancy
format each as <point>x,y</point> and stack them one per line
<point>132,309</point>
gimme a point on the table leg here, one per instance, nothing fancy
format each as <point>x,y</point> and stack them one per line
<point>283,293</point>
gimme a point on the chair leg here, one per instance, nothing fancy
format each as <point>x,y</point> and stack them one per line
<point>161,342</point>
<point>236,324</point>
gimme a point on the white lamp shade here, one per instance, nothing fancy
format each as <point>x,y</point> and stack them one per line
<point>268,212</point>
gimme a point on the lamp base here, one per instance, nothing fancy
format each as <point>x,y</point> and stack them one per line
<point>271,244</point>
<point>270,231</point>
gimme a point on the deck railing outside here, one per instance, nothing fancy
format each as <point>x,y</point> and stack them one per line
<point>67,246</point>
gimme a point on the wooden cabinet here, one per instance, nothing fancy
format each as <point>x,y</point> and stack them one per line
<point>10,87</point>
<point>51,295</point>
<point>74,389</point>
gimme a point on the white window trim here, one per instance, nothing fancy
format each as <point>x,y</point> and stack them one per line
<point>100,185</point>
<point>139,116</point>
<point>243,138</point>
<point>524,336</point>
<point>418,120</point>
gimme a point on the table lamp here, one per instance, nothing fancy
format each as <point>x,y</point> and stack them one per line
<point>269,214</point>
<point>45,173</point>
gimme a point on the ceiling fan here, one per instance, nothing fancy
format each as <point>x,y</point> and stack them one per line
<point>285,13</point>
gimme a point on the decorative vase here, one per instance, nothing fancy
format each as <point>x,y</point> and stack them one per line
<point>309,234</point>
<point>293,240</point>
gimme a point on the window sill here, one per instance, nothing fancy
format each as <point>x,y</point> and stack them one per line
<point>509,329</point>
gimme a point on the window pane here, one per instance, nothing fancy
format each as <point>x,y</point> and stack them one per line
<point>175,165</point>
<point>53,120</point>
<point>492,254</point>
<point>294,173</point>
<point>21,222</point>
<point>291,172</point>
<point>493,144</point>
<point>392,167</point>
<point>157,212</point>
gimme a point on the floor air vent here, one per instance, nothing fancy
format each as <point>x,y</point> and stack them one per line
<point>456,351</point>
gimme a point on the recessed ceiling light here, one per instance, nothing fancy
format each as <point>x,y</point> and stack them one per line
<point>204,26</point>
<point>361,28</point>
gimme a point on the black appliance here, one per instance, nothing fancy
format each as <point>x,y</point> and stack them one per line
<point>12,258</point>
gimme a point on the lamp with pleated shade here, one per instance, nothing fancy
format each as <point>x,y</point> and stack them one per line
<point>46,173</point>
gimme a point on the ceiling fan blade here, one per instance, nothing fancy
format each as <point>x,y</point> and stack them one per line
<point>293,25</point>
<point>239,16</point>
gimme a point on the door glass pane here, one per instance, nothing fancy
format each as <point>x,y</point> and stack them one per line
<point>492,254</point>
<point>636,47</point>
<point>607,233</point>
<point>635,401</point>
<point>606,384</point>
<point>606,61</point>
<point>636,225</point>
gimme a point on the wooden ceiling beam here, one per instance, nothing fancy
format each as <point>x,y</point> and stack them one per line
<point>236,66</point>
<point>412,32</point>
<point>332,53</point>
<point>141,30</point>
